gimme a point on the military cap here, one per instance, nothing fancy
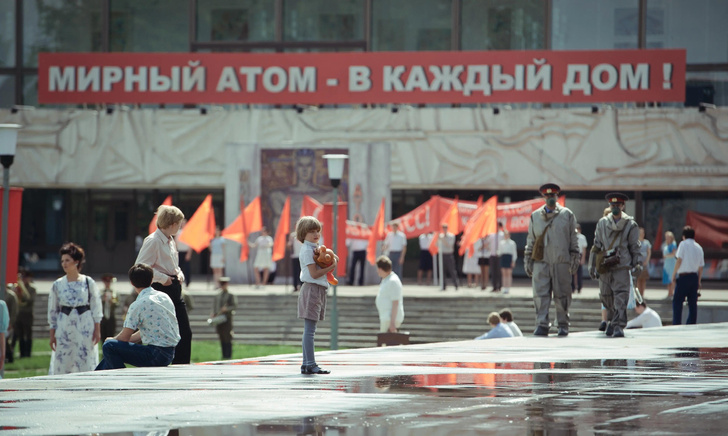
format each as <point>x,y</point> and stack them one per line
<point>549,188</point>
<point>616,197</point>
<point>108,276</point>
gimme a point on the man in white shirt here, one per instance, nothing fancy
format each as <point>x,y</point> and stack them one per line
<point>153,315</point>
<point>576,283</point>
<point>687,277</point>
<point>358,250</point>
<point>447,248</point>
<point>395,246</point>
<point>425,240</point>
<point>389,299</point>
<point>646,318</point>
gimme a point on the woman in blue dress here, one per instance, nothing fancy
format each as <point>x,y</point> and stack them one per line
<point>669,249</point>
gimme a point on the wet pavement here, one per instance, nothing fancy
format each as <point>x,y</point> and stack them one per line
<point>666,381</point>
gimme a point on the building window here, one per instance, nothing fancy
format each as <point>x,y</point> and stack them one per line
<point>7,91</point>
<point>594,24</point>
<point>408,25</point>
<point>706,87</point>
<point>502,25</point>
<point>59,26</point>
<point>7,34</point>
<point>698,27</point>
<point>148,26</point>
<point>225,20</point>
<point>323,20</point>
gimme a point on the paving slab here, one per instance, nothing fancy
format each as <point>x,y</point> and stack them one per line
<point>666,381</point>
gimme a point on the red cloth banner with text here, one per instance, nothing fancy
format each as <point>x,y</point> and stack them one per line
<point>517,76</point>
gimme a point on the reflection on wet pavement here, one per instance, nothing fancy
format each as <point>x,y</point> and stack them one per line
<point>583,385</point>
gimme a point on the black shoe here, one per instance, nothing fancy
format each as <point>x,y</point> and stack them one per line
<point>541,331</point>
<point>618,333</point>
<point>563,331</point>
<point>610,329</point>
<point>314,369</point>
<point>495,290</point>
<point>603,326</point>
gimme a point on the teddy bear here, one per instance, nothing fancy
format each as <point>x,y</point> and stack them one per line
<point>324,257</point>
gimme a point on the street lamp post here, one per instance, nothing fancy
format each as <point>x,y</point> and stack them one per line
<point>8,141</point>
<point>335,164</point>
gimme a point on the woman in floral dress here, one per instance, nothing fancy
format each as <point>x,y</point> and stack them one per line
<point>74,315</point>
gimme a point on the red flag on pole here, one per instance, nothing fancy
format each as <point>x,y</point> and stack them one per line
<point>481,224</point>
<point>200,229</point>
<point>284,227</point>
<point>153,225</point>
<point>311,207</point>
<point>452,219</point>
<point>376,235</point>
<point>247,222</point>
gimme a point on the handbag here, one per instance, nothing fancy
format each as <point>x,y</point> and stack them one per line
<point>606,259</point>
<point>538,245</point>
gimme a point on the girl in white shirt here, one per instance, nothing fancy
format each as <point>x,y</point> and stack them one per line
<point>508,253</point>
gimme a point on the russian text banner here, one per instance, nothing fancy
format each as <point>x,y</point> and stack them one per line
<point>360,78</point>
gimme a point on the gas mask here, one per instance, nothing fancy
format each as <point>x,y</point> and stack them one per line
<point>551,202</point>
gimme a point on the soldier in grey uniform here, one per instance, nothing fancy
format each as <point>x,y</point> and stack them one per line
<point>620,232</point>
<point>551,258</point>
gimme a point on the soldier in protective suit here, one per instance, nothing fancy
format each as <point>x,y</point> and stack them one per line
<point>551,258</point>
<point>616,260</point>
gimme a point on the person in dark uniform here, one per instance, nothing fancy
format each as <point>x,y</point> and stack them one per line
<point>109,302</point>
<point>224,307</point>
<point>159,251</point>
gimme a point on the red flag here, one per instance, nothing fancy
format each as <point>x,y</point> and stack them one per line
<point>253,216</point>
<point>247,222</point>
<point>153,225</point>
<point>311,207</point>
<point>481,224</point>
<point>657,246</point>
<point>282,232</point>
<point>376,235</point>
<point>452,219</point>
<point>200,229</point>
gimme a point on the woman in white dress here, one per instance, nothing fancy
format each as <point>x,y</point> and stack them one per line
<point>471,269</point>
<point>74,315</point>
<point>217,256</point>
<point>263,258</point>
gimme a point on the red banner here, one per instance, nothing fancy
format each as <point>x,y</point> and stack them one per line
<point>426,217</point>
<point>374,77</point>
<point>711,231</point>
<point>13,243</point>
<point>327,221</point>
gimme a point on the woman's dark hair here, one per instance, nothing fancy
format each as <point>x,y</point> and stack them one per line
<point>76,253</point>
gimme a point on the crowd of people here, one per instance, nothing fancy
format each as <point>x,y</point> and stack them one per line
<point>156,329</point>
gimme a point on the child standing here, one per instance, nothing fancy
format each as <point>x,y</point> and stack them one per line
<point>312,297</point>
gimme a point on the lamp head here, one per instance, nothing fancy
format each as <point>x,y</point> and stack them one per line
<point>335,165</point>
<point>8,143</point>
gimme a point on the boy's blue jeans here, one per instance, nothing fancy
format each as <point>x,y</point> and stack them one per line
<point>117,353</point>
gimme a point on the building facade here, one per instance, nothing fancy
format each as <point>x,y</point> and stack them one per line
<point>94,174</point>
